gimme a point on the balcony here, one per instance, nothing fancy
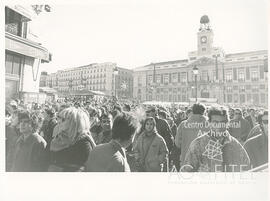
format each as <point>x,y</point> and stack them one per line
<point>26,47</point>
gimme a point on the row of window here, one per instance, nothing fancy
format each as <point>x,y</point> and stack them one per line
<point>243,88</point>
<point>170,98</point>
<point>101,88</point>
<point>80,73</point>
<point>240,74</point>
<point>247,98</point>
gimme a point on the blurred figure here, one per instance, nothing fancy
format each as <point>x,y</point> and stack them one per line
<point>150,150</point>
<point>12,135</point>
<point>231,113</point>
<point>251,118</point>
<point>71,146</point>
<point>49,127</point>
<point>217,150</point>
<point>239,127</point>
<point>29,154</point>
<point>127,108</point>
<point>111,157</point>
<point>105,134</point>
<point>257,145</point>
<point>163,127</point>
<point>189,129</point>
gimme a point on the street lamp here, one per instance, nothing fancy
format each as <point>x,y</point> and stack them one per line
<point>115,72</point>
<point>195,72</point>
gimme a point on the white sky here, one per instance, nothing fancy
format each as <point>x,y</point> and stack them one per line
<point>133,33</point>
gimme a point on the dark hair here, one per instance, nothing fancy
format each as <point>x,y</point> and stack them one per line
<point>240,110</point>
<point>198,108</point>
<point>7,113</point>
<point>217,111</point>
<point>34,118</point>
<point>105,116</point>
<point>261,115</point>
<point>162,113</point>
<point>189,110</point>
<point>117,107</point>
<point>127,106</point>
<point>148,119</point>
<point>50,112</point>
<point>124,126</point>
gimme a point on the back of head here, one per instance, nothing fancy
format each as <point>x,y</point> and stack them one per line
<point>217,111</point>
<point>162,114</point>
<point>77,121</point>
<point>198,108</point>
<point>124,126</point>
<point>34,118</point>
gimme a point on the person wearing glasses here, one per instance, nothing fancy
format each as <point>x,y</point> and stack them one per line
<point>257,145</point>
<point>105,133</point>
<point>217,150</point>
<point>239,127</point>
<point>29,154</point>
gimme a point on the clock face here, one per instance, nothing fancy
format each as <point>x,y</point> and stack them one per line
<point>203,39</point>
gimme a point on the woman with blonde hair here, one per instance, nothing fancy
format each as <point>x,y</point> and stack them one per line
<point>72,144</point>
<point>151,152</point>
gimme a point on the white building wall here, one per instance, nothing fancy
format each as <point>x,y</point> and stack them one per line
<point>28,82</point>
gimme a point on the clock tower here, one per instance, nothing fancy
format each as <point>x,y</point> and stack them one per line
<point>205,37</point>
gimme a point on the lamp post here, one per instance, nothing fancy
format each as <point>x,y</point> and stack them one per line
<point>195,72</point>
<point>115,72</point>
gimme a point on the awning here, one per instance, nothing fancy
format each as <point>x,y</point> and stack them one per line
<point>26,47</point>
<point>86,92</point>
<point>47,90</point>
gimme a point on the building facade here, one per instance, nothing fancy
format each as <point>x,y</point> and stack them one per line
<point>43,78</point>
<point>23,56</point>
<point>234,79</point>
<point>95,77</point>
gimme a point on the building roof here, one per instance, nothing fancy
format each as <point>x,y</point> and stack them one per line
<point>243,54</point>
<point>169,62</point>
<point>146,67</point>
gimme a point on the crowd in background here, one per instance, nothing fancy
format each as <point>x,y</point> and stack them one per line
<point>120,136</point>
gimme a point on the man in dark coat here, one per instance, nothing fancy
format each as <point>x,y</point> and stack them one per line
<point>51,122</point>
<point>251,118</point>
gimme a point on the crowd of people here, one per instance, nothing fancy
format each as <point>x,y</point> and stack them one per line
<point>110,135</point>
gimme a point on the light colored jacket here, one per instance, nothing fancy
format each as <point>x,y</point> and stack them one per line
<point>207,154</point>
<point>188,130</point>
<point>108,157</point>
<point>157,153</point>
